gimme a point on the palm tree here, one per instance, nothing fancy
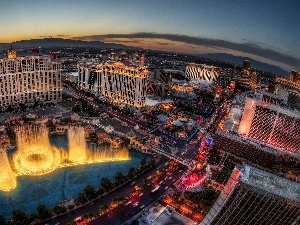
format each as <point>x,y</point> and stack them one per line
<point>106,184</point>
<point>2,220</point>
<point>125,143</point>
<point>131,173</point>
<point>43,212</point>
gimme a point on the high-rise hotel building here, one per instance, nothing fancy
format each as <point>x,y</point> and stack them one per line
<point>29,79</point>
<point>253,196</point>
<point>195,71</point>
<point>265,121</point>
<point>289,89</point>
<point>248,77</point>
<point>260,129</point>
<point>120,82</point>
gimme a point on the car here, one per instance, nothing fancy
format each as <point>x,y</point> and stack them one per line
<point>142,206</point>
<point>127,203</point>
<point>166,188</point>
<point>141,194</point>
<point>135,204</point>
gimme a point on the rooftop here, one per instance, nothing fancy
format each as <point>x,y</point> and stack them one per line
<point>270,183</point>
<point>171,217</point>
<point>25,55</point>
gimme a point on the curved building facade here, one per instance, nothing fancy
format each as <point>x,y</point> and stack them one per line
<point>121,83</point>
<point>195,71</point>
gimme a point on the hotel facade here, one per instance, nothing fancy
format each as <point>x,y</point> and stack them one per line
<point>195,71</point>
<point>122,83</point>
<point>29,79</point>
<point>289,89</point>
<point>253,196</point>
<point>265,121</point>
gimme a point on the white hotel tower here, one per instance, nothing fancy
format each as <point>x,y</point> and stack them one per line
<point>29,79</point>
<point>121,83</point>
<point>195,71</point>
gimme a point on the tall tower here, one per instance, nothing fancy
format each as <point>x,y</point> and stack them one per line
<point>249,77</point>
<point>142,60</point>
<point>247,65</point>
<point>253,196</point>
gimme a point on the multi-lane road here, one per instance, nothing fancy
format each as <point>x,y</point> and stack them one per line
<point>123,212</point>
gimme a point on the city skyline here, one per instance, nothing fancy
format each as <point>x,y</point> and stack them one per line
<point>92,133</point>
<point>265,31</point>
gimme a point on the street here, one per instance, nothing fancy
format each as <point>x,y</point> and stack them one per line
<point>118,214</point>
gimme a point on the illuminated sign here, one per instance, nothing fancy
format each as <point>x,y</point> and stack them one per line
<point>218,89</point>
<point>201,157</point>
<point>209,142</point>
<point>232,85</point>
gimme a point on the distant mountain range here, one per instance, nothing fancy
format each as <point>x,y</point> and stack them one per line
<point>59,42</point>
<point>239,61</point>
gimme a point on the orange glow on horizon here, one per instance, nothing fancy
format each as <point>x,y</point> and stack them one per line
<point>147,43</point>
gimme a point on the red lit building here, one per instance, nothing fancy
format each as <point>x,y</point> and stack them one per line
<point>245,150</point>
<point>266,122</point>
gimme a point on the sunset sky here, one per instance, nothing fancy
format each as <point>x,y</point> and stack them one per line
<point>267,30</point>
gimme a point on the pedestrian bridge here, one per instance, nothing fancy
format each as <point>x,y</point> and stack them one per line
<point>187,163</point>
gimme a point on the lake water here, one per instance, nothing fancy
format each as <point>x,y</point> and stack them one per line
<point>61,184</point>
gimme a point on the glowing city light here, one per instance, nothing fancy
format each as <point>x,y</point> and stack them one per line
<point>77,144</point>
<point>35,155</point>
<point>8,179</point>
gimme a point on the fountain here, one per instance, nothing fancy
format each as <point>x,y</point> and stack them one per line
<point>100,154</point>
<point>8,179</point>
<point>79,152</point>
<point>77,144</point>
<point>35,155</point>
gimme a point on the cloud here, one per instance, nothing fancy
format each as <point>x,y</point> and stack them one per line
<point>161,43</point>
<point>246,47</point>
<point>62,35</point>
<point>58,35</point>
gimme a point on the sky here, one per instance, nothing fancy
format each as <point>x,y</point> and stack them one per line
<point>266,30</point>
